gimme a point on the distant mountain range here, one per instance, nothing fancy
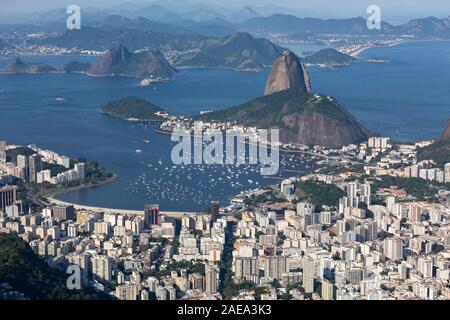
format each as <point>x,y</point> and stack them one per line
<point>244,14</point>
<point>238,51</point>
<point>173,16</point>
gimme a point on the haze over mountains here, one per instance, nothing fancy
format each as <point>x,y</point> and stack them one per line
<point>210,20</point>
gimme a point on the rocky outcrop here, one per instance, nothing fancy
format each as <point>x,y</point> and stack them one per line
<point>19,66</point>
<point>445,135</point>
<point>105,65</point>
<point>144,64</point>
<point>288,73</point>
<point>288,105</point>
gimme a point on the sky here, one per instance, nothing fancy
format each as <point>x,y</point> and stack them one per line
<point>392,10</point>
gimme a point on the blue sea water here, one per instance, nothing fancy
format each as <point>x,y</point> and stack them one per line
<point>405,99</point>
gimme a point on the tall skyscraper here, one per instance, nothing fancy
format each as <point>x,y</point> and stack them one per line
<point>211,276</point>
<point>308,275</point>
<point>275,266</point>
<point>214,211</point>
<point>64,212</point>
<point>81,171</point>
<point>151,215</point>
<point>102,267</point>
<point>447,172</point>
<point>352,194</point>
<point>2,151</point>
<point>35,166</point>
<point>23,167</point>
<point>7,197</point>
<point>393,248</point>
<point>246,269</point>
<point>327,290</point>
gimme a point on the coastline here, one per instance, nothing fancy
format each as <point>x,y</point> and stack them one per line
<point>109,114</point>
<point>50,194</point>
<point>172,214</point>
<point>358,52</point>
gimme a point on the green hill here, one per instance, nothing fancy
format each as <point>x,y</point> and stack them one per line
<point>26,272</point>
<point>438,151</point>
<point>329,57</point>
<point>75,67</point>
<point>302,118</point>
<point>239,51</point>
<point>132,108</point>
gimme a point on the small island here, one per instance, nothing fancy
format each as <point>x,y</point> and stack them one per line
<point>134,109</point>
<point>329,58</point>
<point>75,67</point>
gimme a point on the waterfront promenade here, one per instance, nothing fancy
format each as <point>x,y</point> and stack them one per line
<point>172,214</point>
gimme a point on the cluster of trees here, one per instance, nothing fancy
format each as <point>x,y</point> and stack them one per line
<point>417,187</point>
<point>192,266</point>
<point>262,198</point>
<point>319,193</point>
<point>226,286</point>
<point>132,108</point>
<point>26,272</point>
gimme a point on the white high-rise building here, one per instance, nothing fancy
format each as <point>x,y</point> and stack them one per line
<point>378,142</point>
<point>102,267</point>
<point>7,197</point>
<point>211,277</point>
<point>275,266</point>
<point>246,268</point>
<point>447,172</point>
<point>308,275</point>
<point>80,169</point>
<point>393,248</point>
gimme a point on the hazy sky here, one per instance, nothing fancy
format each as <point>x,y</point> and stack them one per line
<point>392,10</point>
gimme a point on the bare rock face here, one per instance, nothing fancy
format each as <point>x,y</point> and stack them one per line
<point>445,135</point>
<point>288,72</point>
<point>143,64</point>
<point>105,64</point>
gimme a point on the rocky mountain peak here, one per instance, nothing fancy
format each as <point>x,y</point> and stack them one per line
<point>445,135</point>
<point>288,72</point>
